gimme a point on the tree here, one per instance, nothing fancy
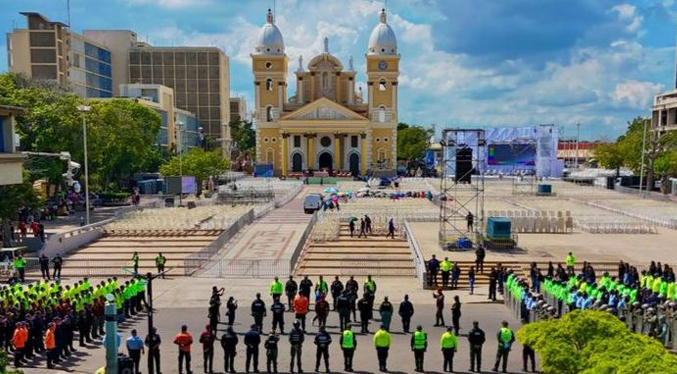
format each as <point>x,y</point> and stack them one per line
<point>610,155</point>
<point>591,342</point>
<point>412,142</point>
<point>198,163</point>
<point>15,197</point>
<point>243,135</point>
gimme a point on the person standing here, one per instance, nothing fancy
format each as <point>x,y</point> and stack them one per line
<point>419,344</point>
<point>367,223</point>
<point>470,219</point>
<point>301,309</point>
<point>290,289</point>
<point>570,262</point>
<point>433,268</point>
<point>480,254</point>
<point>370,290</point>
<point>252,340</point>
<point>382,344</point>
<point>184,340</point>
<point>296,338</point>
<point>231,305</point>
<point>348,345</point>
<point>505,338</point>
<point>528,354</point>
<point>160,261</point>
<point>476,338</point>
<point>278,315</point>
<point>439,303</point>
<point>406,311</point>
<point>362,229</point>
<point>229,342</point>
<point>353,289</point>
<point>365,313</point>
<point>336,290</point>
<point>351,227</point>
<point>135,349</point>
<point>445,267</point>
<point>455,275</point>
<point>493,277</point>
<point>20,267</point>
<point>258,312</point>
<point>135,262</point>
<point>44,267</point>
<point>322,341</point>
<point>153,343</point>
<point>449,346</point>
<point>391,229</point>
<point>386,311</point>
<point>471,280</point>
<point>19,342</point>
<point>58,262</point>
<point>271,352</point>
<point>305,286</point>
<point>343,308</point>
<point>456,314</point>
<point>321,311</point>
<point>50,345</point>
<point>207,339</point>
<point>276,288</point>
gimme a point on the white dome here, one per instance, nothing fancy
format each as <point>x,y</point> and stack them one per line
<point>382,40</point>
<point>270,39</point>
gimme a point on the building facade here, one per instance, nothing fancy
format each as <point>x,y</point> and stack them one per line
<point>11,161</point>
<point>664,112</point>
<point>327,124</point>
<point>238,109</point>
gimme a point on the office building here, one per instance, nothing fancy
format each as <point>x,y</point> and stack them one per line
<point>238,109</point>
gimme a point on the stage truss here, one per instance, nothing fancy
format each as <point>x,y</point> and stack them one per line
<point>459,199</point>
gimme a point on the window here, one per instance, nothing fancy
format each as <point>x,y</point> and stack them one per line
<point>381,113</point>
<point>270,156</point>
<point>269,64</point>
<point>385,140</point>
<point>378,140</point>
<point>265,140</point>
<point>325,141</point>
<point>353,141</point>
<point>269,84</point>
<point>382,85</point>
<point>269,114</point>
<point>274,140</point>
<point>297,141</point>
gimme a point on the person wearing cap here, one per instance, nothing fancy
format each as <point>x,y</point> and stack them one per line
<point>505,338</point>
<point>322,341</point>
<point>343,308</point>
<point>153,342</point>
<point>229,342</point>
<point>271,351</point>
<point>296,338</point>
<point>50,344</point>
<point>184,341</point>
<point>207,339</point>
<point>419,344</point>
<point>252,340</point>
<point>348,344</point>
<point>382,343</point>
<point>135,349</point>
<point>449,346</point>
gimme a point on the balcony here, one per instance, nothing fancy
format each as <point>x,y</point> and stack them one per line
<point>267,115</point>
<point>383,115</point>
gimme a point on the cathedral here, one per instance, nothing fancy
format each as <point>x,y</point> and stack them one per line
<point>329,124</point>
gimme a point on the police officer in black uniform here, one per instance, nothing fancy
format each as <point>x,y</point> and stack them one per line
<point>322,341</point>
<point>296,338</point>
<point>258,312</point>
<point>278,315</point>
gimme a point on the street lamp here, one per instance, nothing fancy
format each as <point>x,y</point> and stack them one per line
<point>84,109</point>
<point>179,148</point>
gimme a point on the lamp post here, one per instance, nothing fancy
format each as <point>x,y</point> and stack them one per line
<point>179,148</point>
<point>578,141</point>
<point>84,109</point>
<point>641,171</point>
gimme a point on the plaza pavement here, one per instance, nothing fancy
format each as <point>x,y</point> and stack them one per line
<point>184,301</point>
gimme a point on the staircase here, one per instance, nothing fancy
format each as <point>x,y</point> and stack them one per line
<point>375,255</point>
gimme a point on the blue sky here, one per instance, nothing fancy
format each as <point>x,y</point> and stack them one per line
<point>464,62</point>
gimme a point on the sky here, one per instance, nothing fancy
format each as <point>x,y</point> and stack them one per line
<point>467,63</point>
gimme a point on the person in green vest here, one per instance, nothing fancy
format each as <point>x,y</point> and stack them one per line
<point>419,344</point>
<point>382,344</point>
<point>505,338</point>
<point>135,261</point>
<point>160,261</point>
<point>348,345</point>
<point>370,290</point>
<point>321,287</point>
<point>276,289</point>
<point>571,262</point>
<point>20,267</point>
<point>449,346</point>
<point>445,268</point>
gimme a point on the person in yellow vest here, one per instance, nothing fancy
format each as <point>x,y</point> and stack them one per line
<point>348,345</point>
<point>135,261</point>
<point>160,261</point>
<point>449,346</point>
<point>370,290</point>
<point>419,344</point>
<point>382,344</point>
<point>445,267</point>
<point>276,289</point>
<point>505,338</point>
<point>571,262</point>
<point>20,267</point>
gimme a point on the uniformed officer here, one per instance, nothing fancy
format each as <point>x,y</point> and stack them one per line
<point>135,261</point>
<point>476,338</point>
<point>365,313</point>
<point>258,312</point>
<point>271,351</point>
<point>505,338</point>
<point>322,341</point>
<point>370,290</point>
<point>290,289</point>
<point>348,345</point>
<point>229,342</point>
<point>382,344</point>
<point>406,311</point>
<point>276,288</point>
<point>336,290</point>
<point>160,261</point>
<point>343,308</point>
<point>419,344</point>
<point>278,315</point>
<point>449,346</point>
<point>296,338</point>
<point>252,339</point>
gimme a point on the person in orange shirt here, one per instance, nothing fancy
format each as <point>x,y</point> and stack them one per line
<point>50,344</point>
<point>19,342</point>
<point>184,341</point>
<point>301,309</point>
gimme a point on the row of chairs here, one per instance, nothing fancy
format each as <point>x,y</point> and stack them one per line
<point>554,225</point>
<point>528,213</point>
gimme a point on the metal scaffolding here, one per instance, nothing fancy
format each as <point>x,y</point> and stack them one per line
<point>462,186</point>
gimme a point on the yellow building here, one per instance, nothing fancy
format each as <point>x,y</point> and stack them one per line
<point>327,124</point>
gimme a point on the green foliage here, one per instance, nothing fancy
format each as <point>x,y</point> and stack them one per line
<point>198,163</point>
<point>244,135</point>
<point>114,196</point>
<point>594,342</point>
<point>412,142</point>
<point>15,197</point>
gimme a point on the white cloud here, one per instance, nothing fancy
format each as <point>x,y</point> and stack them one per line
<point>637,95</point>
<point>628,14</point>
<point>172,4</point>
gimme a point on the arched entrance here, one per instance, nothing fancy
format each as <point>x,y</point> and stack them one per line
<point>297,162</point>
<point>326,161</point>
<point>354,164</point>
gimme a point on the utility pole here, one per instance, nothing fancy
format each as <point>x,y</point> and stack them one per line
<point>84,109</point>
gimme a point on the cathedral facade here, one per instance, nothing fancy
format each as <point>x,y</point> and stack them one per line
<point>329,124</point>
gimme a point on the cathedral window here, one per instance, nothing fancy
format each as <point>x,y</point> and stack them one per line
<point>382,85</point>
<point>269,84</point>
<point>325,141</point>
<point>269,114</point>
<point>381,113</point>
<point>297,141</point>
<point>270,156</point>
<point>353,141</point>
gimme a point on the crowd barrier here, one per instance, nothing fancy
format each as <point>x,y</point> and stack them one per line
<point>417,255</point>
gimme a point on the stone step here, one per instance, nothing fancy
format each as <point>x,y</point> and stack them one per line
<point>127,244</point>
<point>362,244</point>
<point>364,257</point>
<point>107,238</point>
<point>375,251</point>
<point>124,257</point>
<point>348,263</point>
<point>358,272</point>
<point>140,250</point>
